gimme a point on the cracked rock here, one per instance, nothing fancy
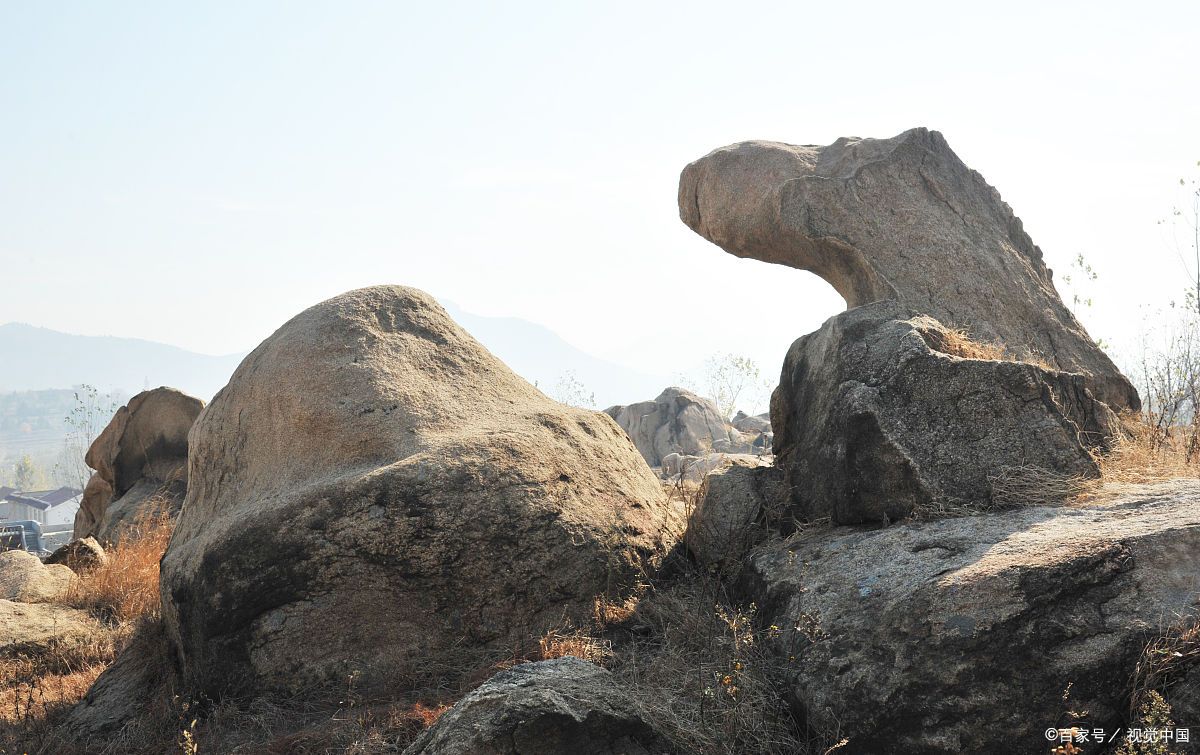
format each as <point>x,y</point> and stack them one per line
<point>876,416</point>
<point>962,635</point>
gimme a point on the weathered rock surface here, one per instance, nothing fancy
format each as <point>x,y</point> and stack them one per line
<point>33,627</point>
<point>678,421</point>
<point>135,681</point>
<point>24,578</point>
<point>375,494</point>
<point>901,219</point>
<point>753,424</point>
<point>955,635</point>
<point>734,508</point>
<point>873,419</point>
<point>141,456</point>
<point>547,708</point>
<point>96,495</point>
<point>80,555</point>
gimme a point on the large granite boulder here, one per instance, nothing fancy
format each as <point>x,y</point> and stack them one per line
<point>876,416</point>
<point>678,421</point>
<point>140,460</point>
<point>552,707</point>
<point>901,219</point>
<point>963,635</point>
<point>24,578</point>
<point>375,495</point>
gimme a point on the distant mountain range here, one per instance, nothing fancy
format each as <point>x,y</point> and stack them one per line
<point>539,355</point>
<point>34,358</point>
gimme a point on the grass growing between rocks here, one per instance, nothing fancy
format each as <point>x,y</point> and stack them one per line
<point>124,588</point>
<point>39,685</point>
<point>1141,454</point>
<point>958,342</point>
<point>707,674</point>
<point>703,669</point>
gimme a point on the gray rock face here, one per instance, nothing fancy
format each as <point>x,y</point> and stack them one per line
<point>140,460</point>
<point>678,421</point>
<point>547,708</point>
<point>899,219</point>
<point>371,460</point>
<point>732,513</point>
<point>752,424</point>
<point>955,635</point>
<point>872,419</point>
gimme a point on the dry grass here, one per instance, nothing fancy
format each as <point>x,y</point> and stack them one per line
<point>125,588</point>
<point>35,686</point>
<point>560,643</point>
<point>958,342</point>
<point>1164,661</point>
<point>1145,453</point>
<point>1014,487</point>
<point>37,689</point>
<point>707,676</point>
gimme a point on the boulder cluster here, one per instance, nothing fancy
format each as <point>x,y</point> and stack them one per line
<point>375,497</point>
<point>941,612</point>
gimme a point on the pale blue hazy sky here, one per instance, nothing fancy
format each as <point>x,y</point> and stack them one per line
<point>196,173</point>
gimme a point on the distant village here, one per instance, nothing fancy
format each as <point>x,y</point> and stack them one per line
<point>53,511</point>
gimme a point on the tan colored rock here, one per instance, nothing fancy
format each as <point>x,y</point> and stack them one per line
<point>25,579</point>
<point>678,421</point>
<point>96,495</point>
<point>141,458</point>
<point>80,555</point>
<point>375,494</point>
<point>955,635</point>
<point>32,627</point>
<point>901,219</point>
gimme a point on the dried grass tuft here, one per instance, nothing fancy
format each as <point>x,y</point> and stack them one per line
<point>958,342</point>
<point>125,588</point>
<point>1145,453</point>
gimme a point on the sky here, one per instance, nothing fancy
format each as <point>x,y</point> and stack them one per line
<point>197,173</point>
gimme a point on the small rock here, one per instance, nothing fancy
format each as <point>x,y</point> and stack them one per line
<point>555,707</point>
<point>729,513</point>
<point>80,555</point>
